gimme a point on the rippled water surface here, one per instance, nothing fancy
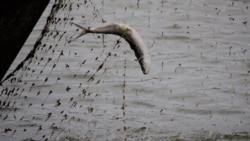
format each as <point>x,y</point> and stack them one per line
<point>93,89</point>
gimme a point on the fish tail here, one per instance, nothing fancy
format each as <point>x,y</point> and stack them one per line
<point>84,31</point>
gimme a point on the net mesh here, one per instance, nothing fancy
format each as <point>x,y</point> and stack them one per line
<point>92,89</point>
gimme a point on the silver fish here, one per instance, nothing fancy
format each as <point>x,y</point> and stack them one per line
<point>130,35</point>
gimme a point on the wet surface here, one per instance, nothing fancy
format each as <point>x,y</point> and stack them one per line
<point>93,89</point>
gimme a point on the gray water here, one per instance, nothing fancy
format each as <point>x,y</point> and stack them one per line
<point>197,89</point>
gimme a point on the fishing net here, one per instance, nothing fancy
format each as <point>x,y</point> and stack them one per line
<point>93,89</point>
<point>59,89</point>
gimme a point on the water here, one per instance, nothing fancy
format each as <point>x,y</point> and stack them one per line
<point>197,89</point>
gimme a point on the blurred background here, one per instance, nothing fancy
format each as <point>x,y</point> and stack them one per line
<point>93,89</point>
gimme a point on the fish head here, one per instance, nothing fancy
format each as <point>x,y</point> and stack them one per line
<point>145,64</point>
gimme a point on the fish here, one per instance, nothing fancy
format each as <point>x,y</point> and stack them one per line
<point>129,34</point>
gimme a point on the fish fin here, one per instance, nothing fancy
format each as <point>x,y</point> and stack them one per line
<point>139,59</point>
